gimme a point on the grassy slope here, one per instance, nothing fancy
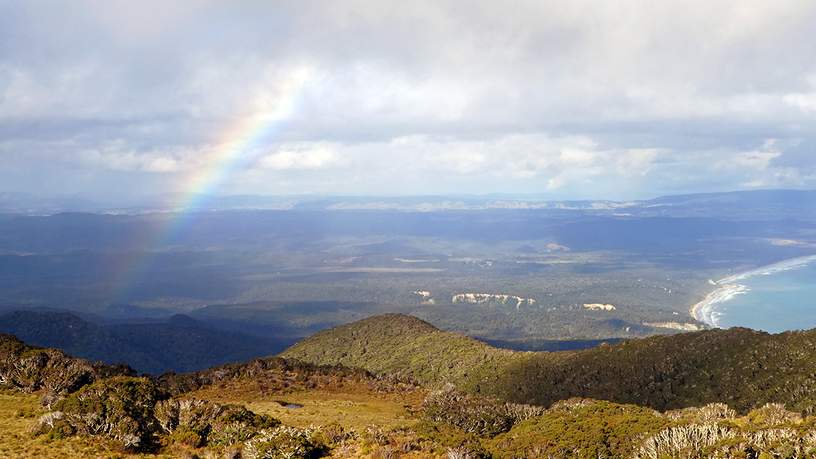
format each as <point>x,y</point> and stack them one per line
<point>352,407</point>
<point>740,367</point>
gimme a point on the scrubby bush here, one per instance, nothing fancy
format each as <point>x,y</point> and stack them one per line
<point>199,422</point>
<point>463,452</point>
<point>134,413</point>
<point>728,441</point>
<point>334,434</point>
<point>119,408</point>
<point>30,369</point>
<point>187,436</point>
<point>283,442</point>
<point>772,415</point>
<point>54,424</point>
<point>579,428</point>
<point>712,412</point>
<point>684,441</point>
<point>477,415</point>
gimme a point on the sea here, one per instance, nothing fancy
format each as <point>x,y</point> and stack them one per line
<point>774,299</point>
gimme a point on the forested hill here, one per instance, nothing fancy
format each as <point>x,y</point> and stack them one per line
<point>740,367</point>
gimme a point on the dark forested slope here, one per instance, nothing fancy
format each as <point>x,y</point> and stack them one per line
<point>177,344</point>
<point>740,367</point>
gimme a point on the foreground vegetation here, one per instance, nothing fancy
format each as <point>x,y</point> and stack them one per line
<point>425,393</point>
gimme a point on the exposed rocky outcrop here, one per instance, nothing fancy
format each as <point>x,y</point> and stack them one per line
<point>674,326</point>
<point>500,298</point>
<point>599,307</point>
<point>424,296</point>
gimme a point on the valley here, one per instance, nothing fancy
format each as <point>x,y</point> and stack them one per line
<point>546,273</point>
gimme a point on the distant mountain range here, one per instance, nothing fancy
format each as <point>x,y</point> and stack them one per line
<point>23,203</point>
<point>179,343</point>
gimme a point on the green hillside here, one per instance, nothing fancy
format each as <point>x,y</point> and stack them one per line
<point>406,346</point>
<point>740,367</point>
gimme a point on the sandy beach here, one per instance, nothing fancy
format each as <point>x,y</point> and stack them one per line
<point>729,287</point>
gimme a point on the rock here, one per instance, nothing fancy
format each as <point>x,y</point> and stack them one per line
<point>501,298</point>
<point>599,307</point>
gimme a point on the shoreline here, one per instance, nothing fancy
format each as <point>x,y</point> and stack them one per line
<point>729,287</point>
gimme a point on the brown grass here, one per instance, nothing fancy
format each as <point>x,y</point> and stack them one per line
<point>354,407</point>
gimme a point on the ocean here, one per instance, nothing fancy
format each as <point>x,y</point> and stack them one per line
<point>774,299</point>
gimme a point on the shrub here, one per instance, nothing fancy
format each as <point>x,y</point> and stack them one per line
<point>283,442</point>
<point>772,415</point>
<point>477,415</point>
<point>120,408</point>
<point>712,412</point>
<point>212,423</point>
<point>188,437</point>
<point>334,434</point>
<point>684,441</point>
<point>131,412</point>
<point>579,428</point>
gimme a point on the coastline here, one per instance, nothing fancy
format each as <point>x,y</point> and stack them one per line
<point>705,311</point>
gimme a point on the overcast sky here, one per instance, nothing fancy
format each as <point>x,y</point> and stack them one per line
<point>568,99</point>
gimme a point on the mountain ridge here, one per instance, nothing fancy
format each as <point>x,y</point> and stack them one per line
<point>741,367</point>
<point>179,343</point>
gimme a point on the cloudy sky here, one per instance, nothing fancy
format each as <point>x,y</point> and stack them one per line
<point>567,99</point>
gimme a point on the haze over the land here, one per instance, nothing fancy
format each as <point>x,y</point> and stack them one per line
<point>115,100</point>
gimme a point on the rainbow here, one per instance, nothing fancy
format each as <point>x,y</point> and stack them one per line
<point>236,146</point>
<point>240,139</point>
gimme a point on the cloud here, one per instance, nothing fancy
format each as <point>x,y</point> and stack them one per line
<point>514,163</point>
<point>563,98</point>
<point>299,157</point>
<point>803,101</point>
<point>117,156</point>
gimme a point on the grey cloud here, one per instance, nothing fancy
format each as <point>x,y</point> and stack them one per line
<point>699,82</point>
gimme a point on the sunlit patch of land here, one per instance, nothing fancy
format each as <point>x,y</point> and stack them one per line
<point>19,413</point>
<point>354,407</point>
